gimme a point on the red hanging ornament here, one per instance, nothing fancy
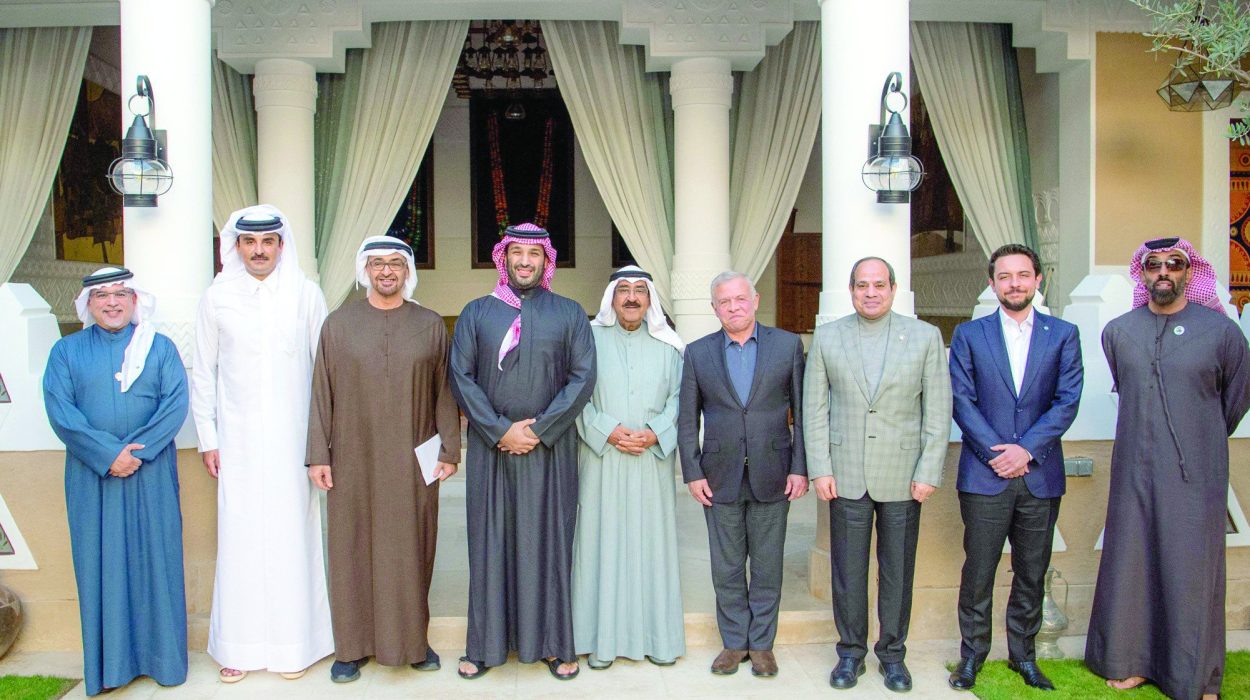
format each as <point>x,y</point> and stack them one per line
<point>496,173</point>
<point>542,208</point>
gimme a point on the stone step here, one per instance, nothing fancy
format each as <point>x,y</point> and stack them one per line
<point>448,633</point>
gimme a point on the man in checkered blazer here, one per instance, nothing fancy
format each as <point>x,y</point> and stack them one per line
<point>876,415</point>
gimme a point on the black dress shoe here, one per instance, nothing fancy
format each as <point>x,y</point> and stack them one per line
<point>897,677</point>
<point>1032,675</point>
<point>964,677</point>
<point>846,674</point>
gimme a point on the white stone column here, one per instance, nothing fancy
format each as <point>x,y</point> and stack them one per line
<point>169,247</point>
<point>286,99</point>
<point>861,44</point>
<point>1076,180</point>
<point>701,90</point>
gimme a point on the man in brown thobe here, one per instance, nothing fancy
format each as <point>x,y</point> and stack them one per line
<point>380,390</point>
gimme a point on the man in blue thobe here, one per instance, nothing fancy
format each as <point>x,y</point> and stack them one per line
<point>116,395</point>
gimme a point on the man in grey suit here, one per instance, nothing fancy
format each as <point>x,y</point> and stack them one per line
<point>743,381</point>
<point>877,411</point>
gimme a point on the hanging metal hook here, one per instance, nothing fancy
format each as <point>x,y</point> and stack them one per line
<point>143,88</point>
<point>893,84</point>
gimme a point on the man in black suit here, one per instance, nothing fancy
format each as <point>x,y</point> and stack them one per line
<point>744,381</point>
<point>1016,377</point>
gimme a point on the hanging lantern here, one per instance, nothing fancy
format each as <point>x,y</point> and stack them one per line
<point>891,170</point>
<point>141,175</point>
<point>1189,90</point>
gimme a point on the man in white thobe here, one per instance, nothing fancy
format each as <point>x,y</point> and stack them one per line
<point>256,335</point>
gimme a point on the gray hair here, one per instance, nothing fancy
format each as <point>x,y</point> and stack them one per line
<point>729,276</point>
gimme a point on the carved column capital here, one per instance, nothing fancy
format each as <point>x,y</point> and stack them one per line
<point>282,82</point>
<point>701,81</point>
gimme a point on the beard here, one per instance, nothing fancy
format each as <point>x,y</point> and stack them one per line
<point>1016,305</point>
<point>533,281</point>
<point>395,290</point>
<point>1166,296</point>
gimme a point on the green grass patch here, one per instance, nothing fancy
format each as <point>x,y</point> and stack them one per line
<point>1073,680</point>
<point>35,687</point>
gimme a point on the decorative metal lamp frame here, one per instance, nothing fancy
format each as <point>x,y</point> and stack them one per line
<point>891,170</point>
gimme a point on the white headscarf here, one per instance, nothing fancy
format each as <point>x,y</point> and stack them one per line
<point>232,266</point>
<point>140,345</point>
<point>381,246</point>
<point>657,326</point>
<point>288,275</point>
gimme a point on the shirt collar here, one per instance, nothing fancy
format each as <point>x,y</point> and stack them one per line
<point>726,341</point>
<point>1010,323</point>
<point>270,283</point>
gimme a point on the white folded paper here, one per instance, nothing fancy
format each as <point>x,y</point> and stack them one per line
<point>427,457</point>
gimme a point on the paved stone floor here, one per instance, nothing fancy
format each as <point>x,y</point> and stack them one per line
<point>451,566</point>
<point>804,673</point>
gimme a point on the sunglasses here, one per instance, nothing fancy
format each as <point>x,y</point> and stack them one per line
<point>1172,264</point>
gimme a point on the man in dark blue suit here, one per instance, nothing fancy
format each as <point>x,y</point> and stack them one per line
<point>744,382</point>
<point>1016,377</point>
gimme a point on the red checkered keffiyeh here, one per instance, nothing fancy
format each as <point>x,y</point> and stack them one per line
<point>1201,286</point>
<point>503,292</point>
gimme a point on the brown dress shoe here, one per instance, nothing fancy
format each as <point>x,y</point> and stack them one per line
<point>763,663</point>
<point>727,661</point>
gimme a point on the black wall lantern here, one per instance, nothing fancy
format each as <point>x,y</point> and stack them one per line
<point>141,174</point>
<point>891,170</point>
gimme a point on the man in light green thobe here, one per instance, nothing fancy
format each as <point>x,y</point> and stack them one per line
<point>626,588</point>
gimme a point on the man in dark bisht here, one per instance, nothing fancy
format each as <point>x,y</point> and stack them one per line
<point>1179,366</point>
<point>522,369</point>
<point>116,395</point>
<point>379,393</point>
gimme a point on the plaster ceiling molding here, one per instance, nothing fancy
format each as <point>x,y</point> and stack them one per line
<point>1080,21</point>
<point>318,32</point>
<point>59,13</point>
<point>400,10</point>
<point>948,285</point>
<point>1061,31</point>
<point>1118,16</point>
<point>736,30</point>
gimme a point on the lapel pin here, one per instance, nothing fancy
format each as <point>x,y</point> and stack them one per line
<point>1179,330</point>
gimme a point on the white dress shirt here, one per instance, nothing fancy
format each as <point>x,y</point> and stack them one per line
<point>1017,337</point>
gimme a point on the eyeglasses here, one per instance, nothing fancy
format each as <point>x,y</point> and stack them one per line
<point>376,264</point>
<point>120,294</point>
<point>639,292</point>
<point>1172,264</point>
